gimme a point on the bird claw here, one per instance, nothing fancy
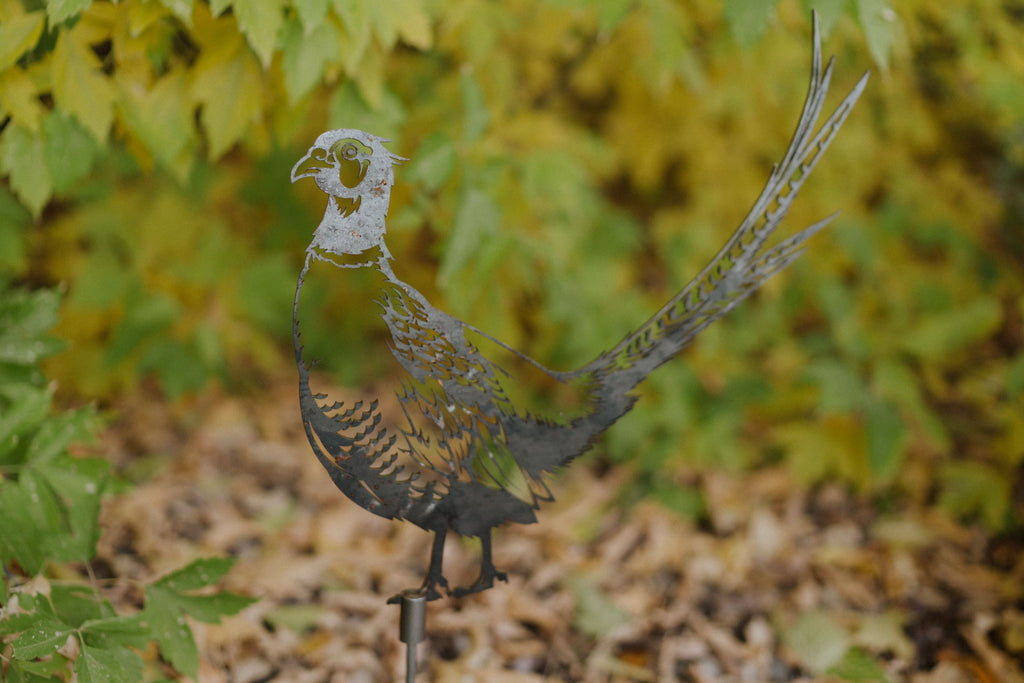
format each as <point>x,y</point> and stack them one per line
<point>485,581</point>
<point>429,589</point>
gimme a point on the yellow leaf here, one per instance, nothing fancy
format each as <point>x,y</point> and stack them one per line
<point>97,23</point>
<point>18,35</point>
<point>142,15</point>
<point>61,10</point>
<point>229,85</point>
<point>355,24</point>
<point>79,87</point>
<point>260,21</point>
<point>162,119</point>
<point>214,34</point>
<point>19,97</point>
<point>22,158</point>
<point>182,9</point>
<point>370,78</point>
<point>414,24</point>
<point>384,17</point>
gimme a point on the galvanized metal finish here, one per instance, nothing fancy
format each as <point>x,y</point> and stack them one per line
<point>412,627</point>
<point>468,453</point>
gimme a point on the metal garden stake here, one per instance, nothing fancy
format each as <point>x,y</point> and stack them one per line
<point>469,452</point>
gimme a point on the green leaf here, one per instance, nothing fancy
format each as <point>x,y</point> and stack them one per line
<point>299,618</point>
<point>265,292</point>
<point>176,365</point>
<point>162,118</point>
<point>69,150</point>
<point>181,9</point>
<point>80,484</point>
<point>384,19</point>
<point>21,534</point>
<point>554,184</point>
<point>887,631</point>
<point>75,605</point>
<point>477,220</point>
<point>260,21</point>
<point>685,501</point>
<point>748,19</point>
<point>1015,377</point>
<point>97,665</point>
<point>18,622</point>
<point>40,671</point>
<point>306,54</point>
<point>59,10</point>
<point>68,527</point>
<point>170,630</point>
<point>80,87</point>
<point>18,35</point>
<point>117,631</point>
<point>28,407</point>
<point>349,109</point>
<point>858,665</point>
<point>840,387</point>
<point>433,163</point>
<point>210,608</point>
<point>880,24</point>
<point>14,220</point>
<point>25,317</point>
<point>894,381</point>
<point>197,574</point>
<point>475,116</point>
<point>948,331</point>
<point>413,24</point>
<point>974,488</point>
<point>102,281</point>
<point>817,641</point>
<point>167,605</point>
<point>596,615</point>
<point>311,13</point>
<point>229,84</point>
<point>145,315</point>
<point>887,436</point>
<point>355,19</point>
<point>672,55</point>
<point>22,157</point>
<point>45,637</point>
<point>829,12</point>
<point>610,14</point>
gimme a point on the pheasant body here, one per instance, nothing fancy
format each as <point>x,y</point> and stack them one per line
<point>466,453</point>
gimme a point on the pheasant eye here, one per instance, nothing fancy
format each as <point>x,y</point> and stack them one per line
<point>349,152</point>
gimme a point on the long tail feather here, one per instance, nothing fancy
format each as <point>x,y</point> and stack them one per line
<point>742,265</point>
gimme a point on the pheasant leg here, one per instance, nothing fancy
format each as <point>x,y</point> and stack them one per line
<point>434,576</point>
<point>487,571</point>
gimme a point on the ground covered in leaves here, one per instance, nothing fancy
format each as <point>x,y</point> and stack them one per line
<point>778,584</point>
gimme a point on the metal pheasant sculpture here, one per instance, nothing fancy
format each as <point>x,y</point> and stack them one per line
<point>468,451</point>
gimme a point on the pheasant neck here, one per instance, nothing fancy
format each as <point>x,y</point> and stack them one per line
<point>349,235</point>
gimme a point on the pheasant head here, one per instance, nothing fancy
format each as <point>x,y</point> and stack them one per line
<point>354,169</point>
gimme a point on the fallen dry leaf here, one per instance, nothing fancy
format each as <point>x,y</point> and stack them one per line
<point>779,587</point>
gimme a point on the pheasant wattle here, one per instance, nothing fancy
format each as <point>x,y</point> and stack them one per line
<point>468,450</point>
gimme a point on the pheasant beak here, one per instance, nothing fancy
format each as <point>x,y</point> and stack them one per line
<point>309,165</point>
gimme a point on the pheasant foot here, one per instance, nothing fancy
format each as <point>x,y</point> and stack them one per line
<point>483,582</point>
<point>434,576</point>
<point>487,571</point>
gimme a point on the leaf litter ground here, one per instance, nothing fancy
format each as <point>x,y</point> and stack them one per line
<point>778,584</point>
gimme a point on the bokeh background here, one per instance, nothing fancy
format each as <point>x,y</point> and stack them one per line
<point>571,165</point>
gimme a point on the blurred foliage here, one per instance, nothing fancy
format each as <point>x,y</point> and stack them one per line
<point>571,165</point>
<point>50,523</point>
